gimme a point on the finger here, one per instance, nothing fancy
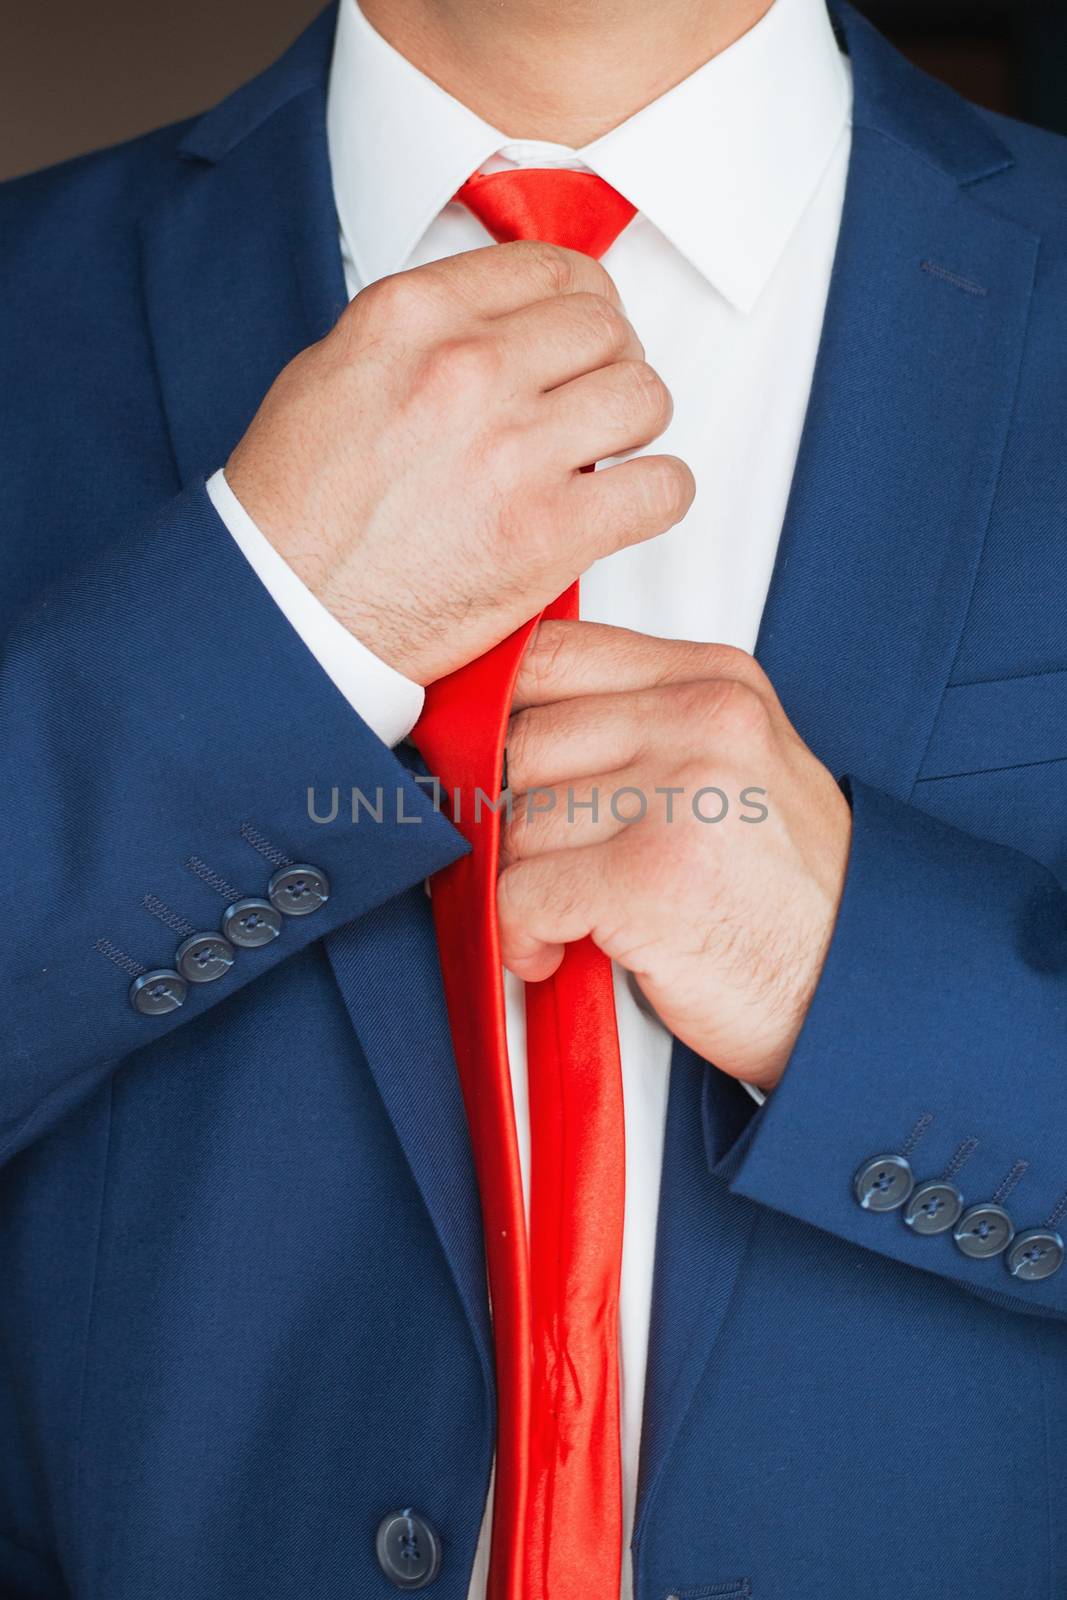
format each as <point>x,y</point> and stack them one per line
<point>604,413</point>
<point>574,739</point>
<point>570,816</point>
<point>548,902</point>
<point>557,340</point>
<point>499,278</point>
<point>565,660</point>
<point>626,504</point>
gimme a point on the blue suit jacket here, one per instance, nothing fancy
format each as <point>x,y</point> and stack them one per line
<point>242,1303</point>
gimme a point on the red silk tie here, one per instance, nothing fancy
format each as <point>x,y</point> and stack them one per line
<point>557,1514</point>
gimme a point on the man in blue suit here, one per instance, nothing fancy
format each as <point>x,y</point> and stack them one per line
<point>245,1340</point>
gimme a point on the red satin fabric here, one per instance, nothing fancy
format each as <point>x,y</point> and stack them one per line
<point>557,1516</point>
<point>575,209</point>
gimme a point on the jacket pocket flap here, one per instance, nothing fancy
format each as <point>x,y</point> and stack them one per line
<point>1006,722</point>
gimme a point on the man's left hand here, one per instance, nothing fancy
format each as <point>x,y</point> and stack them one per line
<point>663,804</point>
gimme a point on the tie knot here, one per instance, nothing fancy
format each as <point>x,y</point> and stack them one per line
<point>577,210</point>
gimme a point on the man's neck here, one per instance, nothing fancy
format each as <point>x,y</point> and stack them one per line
<point>566,71</point>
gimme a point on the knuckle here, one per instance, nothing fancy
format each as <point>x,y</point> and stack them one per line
<point>726,701</point>
<point>390,312</point>
<point>509,895</point>
<point>461,367</point>
<point>697,700</point>
<point>353,314</point>
<point>393,300</point>
<point>345,335</point>
<point>645,394</point>
<point>607,321</point>
<point>546,654</point>
<point>638,384</point>
<point>518,749</point>
<point>521,833</point>
<point>660,401</point>
<point>666,488</point>
<point>302,370</point>
<point>727,661</point>
<point>552,268</point>
<point>739,708</point>
<point>731,660</point>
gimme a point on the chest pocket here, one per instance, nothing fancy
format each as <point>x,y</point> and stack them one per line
<point>996,764</point>
<point>1009,722</point>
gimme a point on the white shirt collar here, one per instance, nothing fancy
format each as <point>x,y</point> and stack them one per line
<point>724,164</point>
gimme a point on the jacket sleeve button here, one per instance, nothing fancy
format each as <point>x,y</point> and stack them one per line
<point>934,1207</point>
<point>157,992</point>
<point>984,1231</point>
<point>883,1183</point>
<point>298,890</point>
<point>251,923</point>
<point>1035,1254</point>
<point>203,957</point>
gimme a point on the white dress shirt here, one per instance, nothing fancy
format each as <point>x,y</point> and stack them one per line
<point>738,174</point>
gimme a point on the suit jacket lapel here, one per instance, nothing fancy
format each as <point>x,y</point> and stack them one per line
<point>242,264</point>
<point>242,270</point>
<point>701,1238</point>
<point>387,968</point>
<point>909,411</point>
<point>910,407</point>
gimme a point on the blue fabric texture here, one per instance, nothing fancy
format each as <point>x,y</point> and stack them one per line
<point>242,1300</point>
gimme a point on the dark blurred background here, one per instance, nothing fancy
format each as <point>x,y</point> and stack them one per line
<point>75,74</point>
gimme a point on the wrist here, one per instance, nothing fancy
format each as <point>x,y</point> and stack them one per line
<point>334,577</point>
<point>396,637</point>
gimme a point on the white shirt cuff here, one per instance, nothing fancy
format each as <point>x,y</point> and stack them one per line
<point>389,703</point>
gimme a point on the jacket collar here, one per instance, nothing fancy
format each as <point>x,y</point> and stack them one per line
<point>302,69</point>
<point>915,111</point>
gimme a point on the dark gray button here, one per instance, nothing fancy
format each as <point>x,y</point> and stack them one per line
<point>883,1183</point>
<point>408,1549</point>
<point>299,890</point>
<point>158,992</point>
<point>1035,1254</point>
<point>984,1231</point>
<point>934,1207</point>
<point>251,923</point>
<point>203,957</point>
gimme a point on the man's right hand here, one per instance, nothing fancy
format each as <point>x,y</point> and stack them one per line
<point>420,467</point>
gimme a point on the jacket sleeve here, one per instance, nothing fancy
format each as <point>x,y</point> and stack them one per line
<point>167,743</point>
<point>931,1072</point>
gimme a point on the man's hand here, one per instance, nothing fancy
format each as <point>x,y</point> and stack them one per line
<point>420,468</point>
<point>725,924</point>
